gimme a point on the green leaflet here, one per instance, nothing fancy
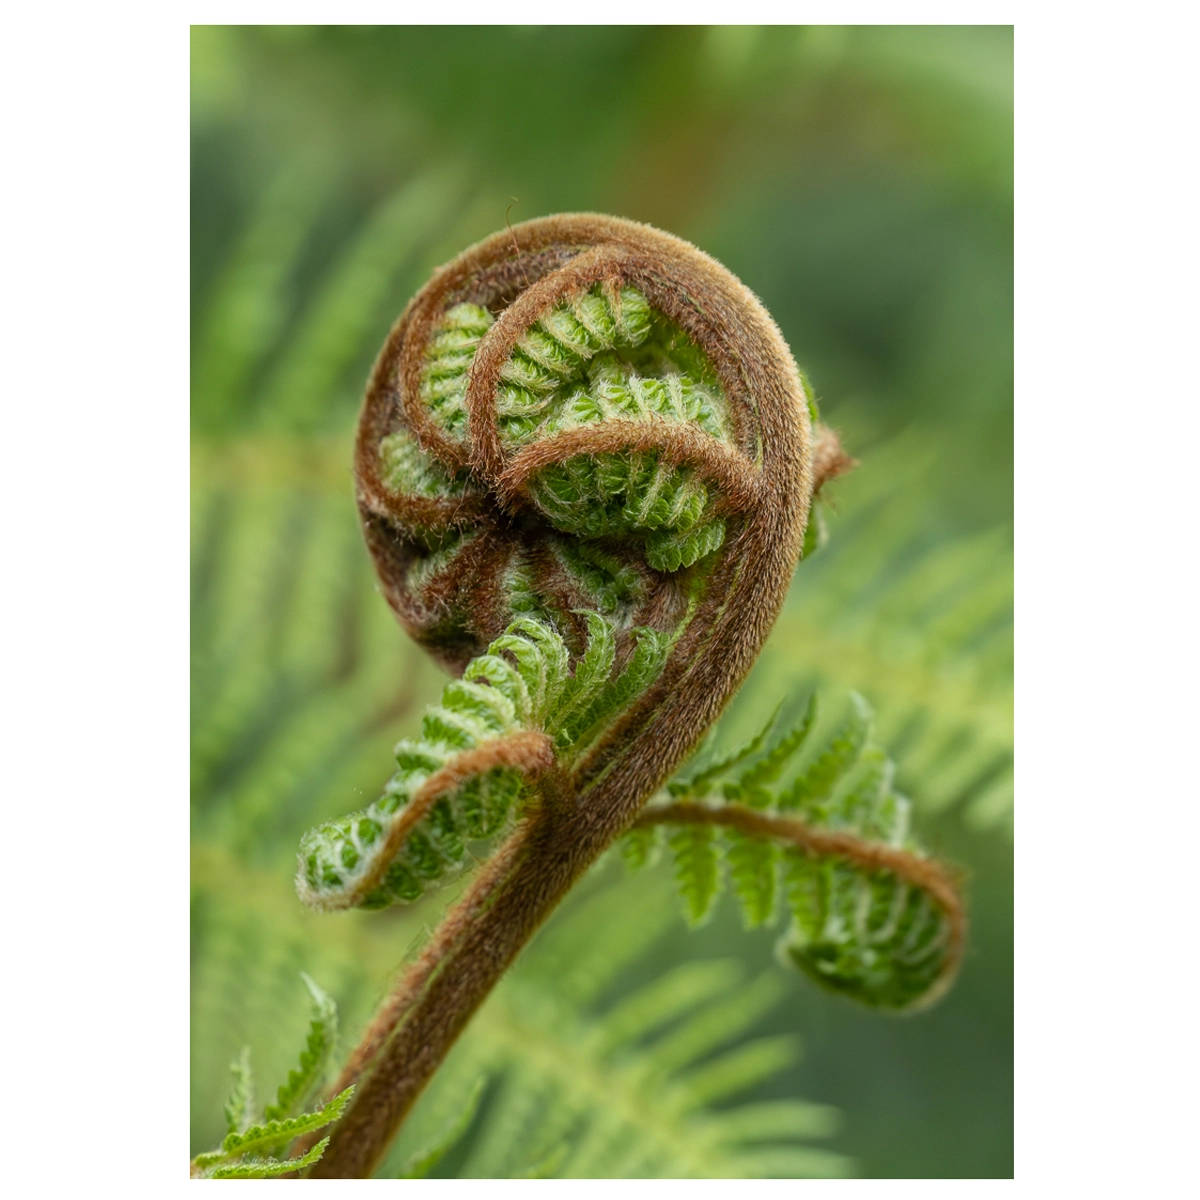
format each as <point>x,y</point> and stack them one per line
<point>867,934</point>
<point>266,1168</point>
<point>241,1099</point>
<point>523,682</point>
<point>697,869</point>
<point>598,357</point>
<point>697,784</point>
<point>752,873</point>
<point>640,847</point>
<point>831,765</point>
<point>645,665</point>
<point>251,1149</point>
<point>410,471</point>
<point>259,1139</point>
<point>304,1079</point>
<point>772,764</point>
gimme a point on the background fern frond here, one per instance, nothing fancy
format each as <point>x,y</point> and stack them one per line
<point>424,1161</point>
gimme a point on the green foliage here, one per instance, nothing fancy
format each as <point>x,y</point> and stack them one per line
<point>924,626</point>
<point>240,1104</point>
<point>304,1079</point>
<point>265,1168</point>
<point>254,1150</point>
<point>696,869</point>
<point>601,356</point>
<point>523,683</point>
<point>858,930</point>
<point>420,1165</point>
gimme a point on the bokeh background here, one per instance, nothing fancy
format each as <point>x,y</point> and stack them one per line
<point>860,181</point>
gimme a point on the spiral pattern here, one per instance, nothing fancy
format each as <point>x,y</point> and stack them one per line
<point>561,421</point>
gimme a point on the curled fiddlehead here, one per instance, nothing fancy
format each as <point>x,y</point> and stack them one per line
<point>588,428</point>
<point>585,467</point>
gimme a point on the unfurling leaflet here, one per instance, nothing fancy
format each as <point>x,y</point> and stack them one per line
<point>872,916</point>
<point>518,711</point>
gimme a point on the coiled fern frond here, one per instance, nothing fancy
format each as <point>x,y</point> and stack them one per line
<point>583,443</point>
<point>873,917</point>
<point>494,730</point>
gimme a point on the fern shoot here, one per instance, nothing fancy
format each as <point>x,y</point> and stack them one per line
<point>586,468</point>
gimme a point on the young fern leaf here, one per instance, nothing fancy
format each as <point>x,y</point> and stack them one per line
<point>304,1079</point>
<point>753,876</point>
<point>495,731</point>
<point>260,1139</point>
<point>873,917</point>
<point>268,1168</point>
<point>251,1149</point>
<point>699,783</point>
<point>241,1099</point>
<point>641,846</point>
<point>751,783</point>
<point>819,780</point>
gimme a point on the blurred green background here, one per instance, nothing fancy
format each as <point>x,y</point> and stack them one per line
<point>860,181</point>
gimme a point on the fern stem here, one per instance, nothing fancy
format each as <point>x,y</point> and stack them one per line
<point>926,873</point>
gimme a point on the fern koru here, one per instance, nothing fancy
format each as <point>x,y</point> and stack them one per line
<point>586,468</point>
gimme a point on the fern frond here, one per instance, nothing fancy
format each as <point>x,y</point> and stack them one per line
<point>832,764</point>
<point>240,1104</point>
<point>640,847</point>
<point>872,916</point>
<point>923,626</point>
<point>480,747</point>
<point>268,1168</point>
<point>250,1149</point>
<point>304,1079</point>
<point>753,874</point>
<point>262,1137</point>
<point>772,764</point>
<point>699,783</point>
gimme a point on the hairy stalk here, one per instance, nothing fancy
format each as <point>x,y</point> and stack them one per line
<point>581,413</point>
